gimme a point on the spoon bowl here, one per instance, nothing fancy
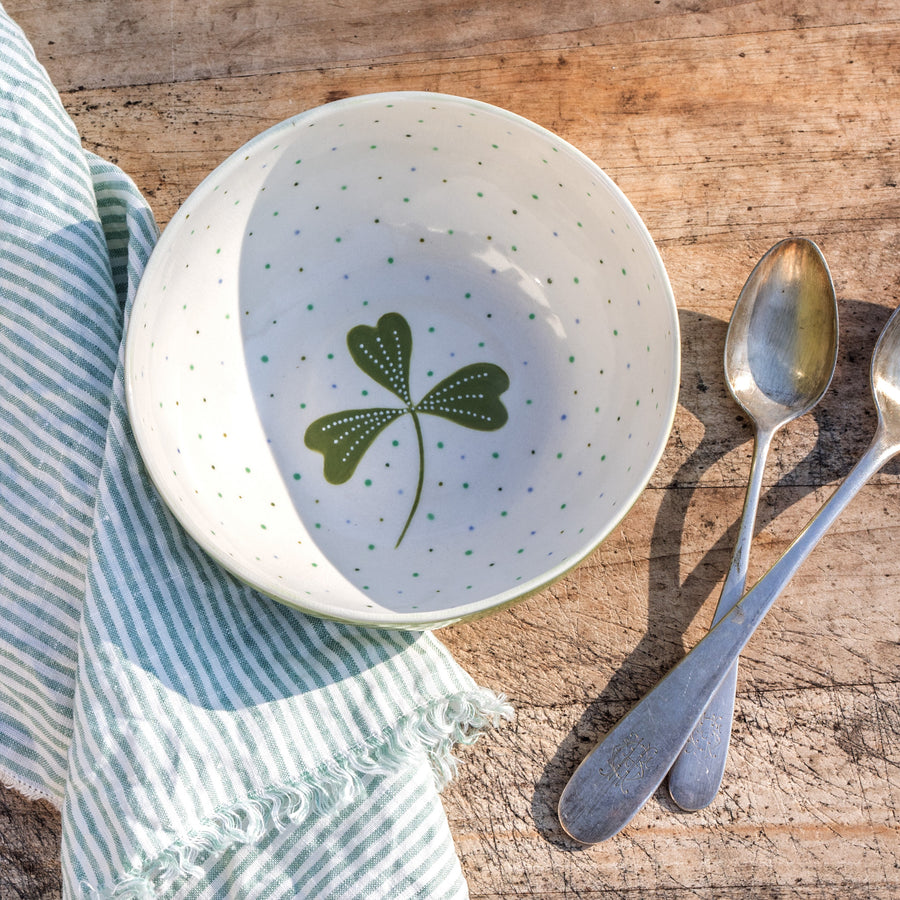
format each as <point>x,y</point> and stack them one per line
<point>781,346</point>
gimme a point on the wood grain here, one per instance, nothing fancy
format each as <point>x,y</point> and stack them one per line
<point>729,125</point>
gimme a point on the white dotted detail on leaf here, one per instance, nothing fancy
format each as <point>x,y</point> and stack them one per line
<point>357,428</point>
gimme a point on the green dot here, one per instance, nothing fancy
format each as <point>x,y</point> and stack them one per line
<point>624,272</point>
<point>468,295</point>
<point>504,513</point>
<point>559,455</point>
<point>310,306</point>
<point>480,193</point>
<point>468,552</point>
<point>390,260</point>
<point>521,550</point>
<point>246,468</point>
<point>268,265</point>
<point>571,359</point>
<point>534,196</point>
<point>465,485</point>
<point>440,445</point>
<point>496,455</point>
<point>296,476</point>
<point>264,358</point>
<point>371,546</point>
<point>531,316</point>
<point>337,240</point>
<point>415,574</point>
<point>430,517</point>
<point>364,392</point>
<point>396,443</point>
<point>262,526</point>
<point>368,482</point>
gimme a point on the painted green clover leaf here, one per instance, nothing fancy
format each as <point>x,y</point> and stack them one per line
<point>470,397</point>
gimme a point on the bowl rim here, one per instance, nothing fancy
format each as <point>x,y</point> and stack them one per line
<point>380,617</point>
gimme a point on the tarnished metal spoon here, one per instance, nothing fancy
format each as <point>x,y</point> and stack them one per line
<point>619,776</point>
<point>780,354</point>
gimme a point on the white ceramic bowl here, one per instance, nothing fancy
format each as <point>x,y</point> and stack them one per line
<point>403,359</point>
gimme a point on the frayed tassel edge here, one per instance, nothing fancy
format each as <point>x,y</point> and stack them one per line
<point>435,729</point>
<point>28,791</point>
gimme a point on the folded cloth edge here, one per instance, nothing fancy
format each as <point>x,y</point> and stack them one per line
<point>434,728</point>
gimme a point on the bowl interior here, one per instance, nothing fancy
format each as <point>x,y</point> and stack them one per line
<point>402,359</point>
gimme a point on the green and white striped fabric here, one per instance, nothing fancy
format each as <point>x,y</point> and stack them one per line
<point>201,740</point>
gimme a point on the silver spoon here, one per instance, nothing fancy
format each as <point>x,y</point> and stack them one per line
<point>619,776</point>
<point>780,354</point>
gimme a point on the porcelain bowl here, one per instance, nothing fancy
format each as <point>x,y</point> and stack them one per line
<point>403,359</point>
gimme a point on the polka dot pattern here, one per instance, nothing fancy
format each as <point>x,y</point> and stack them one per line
<point>500,245</point>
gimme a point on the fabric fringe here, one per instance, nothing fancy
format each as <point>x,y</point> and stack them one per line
<point>27,790</point>
<point>435,729</point>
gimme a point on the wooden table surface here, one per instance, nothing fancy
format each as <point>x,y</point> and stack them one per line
<point>729,124</point>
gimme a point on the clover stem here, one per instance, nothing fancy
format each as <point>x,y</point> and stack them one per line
<point>421,483</point>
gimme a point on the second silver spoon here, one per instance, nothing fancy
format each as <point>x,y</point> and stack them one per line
<point>780,355</point>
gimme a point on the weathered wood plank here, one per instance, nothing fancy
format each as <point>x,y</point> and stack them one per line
<point>108,43</point>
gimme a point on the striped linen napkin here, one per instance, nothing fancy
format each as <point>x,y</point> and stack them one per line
<point>201,740</point>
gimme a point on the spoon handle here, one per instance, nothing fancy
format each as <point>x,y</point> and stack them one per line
<point>695,778</point>
<point>619,775</point>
